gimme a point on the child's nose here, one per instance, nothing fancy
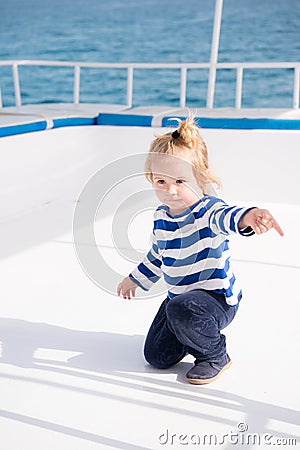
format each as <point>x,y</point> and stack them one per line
<point>172,189</point>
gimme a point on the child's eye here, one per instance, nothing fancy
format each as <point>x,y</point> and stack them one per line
<point>161,181</point>
<point>180,181</point>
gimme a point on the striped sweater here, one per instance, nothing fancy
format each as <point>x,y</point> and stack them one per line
<point>191,250</point>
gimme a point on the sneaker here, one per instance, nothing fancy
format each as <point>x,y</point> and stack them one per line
<point>207,371</point>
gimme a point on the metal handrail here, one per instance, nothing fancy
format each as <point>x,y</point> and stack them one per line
<point>183,67</point>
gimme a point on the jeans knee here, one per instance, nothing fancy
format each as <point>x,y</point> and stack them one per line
<point>152,358</point>
<point>178,311</point>
<point>174,307</point>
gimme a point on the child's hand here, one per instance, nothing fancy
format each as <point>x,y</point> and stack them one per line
<point>127,288</point>
<point>260,220</point>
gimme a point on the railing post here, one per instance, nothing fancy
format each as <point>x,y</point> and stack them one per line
<point>238,88</point>
<point>214,54</point>
<point>16,84</point>
<point>183,73</point>
<point>296,87</point>
<point>129,86</point>
<point>76,84</point>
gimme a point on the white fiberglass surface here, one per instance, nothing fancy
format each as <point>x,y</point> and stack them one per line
<point>73,374</point>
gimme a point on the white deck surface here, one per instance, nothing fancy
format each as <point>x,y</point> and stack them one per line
<point>72,371</point>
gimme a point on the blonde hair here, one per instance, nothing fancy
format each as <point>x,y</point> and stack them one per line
<point>186,137</point>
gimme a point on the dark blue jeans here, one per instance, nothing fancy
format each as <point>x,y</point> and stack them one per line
<point>189,323</point>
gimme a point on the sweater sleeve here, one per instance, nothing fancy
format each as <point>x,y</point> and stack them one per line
<point>148,272</point>
<point>225,219</point>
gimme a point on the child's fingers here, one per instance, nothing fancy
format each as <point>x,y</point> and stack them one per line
<point>277,227</point>
<point>259,229</point>
<point>259,225</point>
<point>126,294</point>
<point>269,222</point>
<point>121,291</point>
<point>126,289</point>
<point>264,221</point>
<point>131,293</point>
<point>262,228</point>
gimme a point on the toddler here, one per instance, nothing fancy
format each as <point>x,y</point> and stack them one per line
<point>190,249</point>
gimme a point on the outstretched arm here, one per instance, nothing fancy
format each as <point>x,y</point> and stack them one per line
<point>260,220</point>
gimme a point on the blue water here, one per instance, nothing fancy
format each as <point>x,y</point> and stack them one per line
<point>148,31</point>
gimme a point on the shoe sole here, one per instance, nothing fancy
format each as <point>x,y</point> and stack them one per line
<point>209,380</point>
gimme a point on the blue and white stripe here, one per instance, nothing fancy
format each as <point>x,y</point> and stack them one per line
<point>191,250</point>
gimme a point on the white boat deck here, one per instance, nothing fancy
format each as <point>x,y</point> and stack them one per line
<point>72,374</point>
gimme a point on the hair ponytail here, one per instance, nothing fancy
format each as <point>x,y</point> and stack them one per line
<point>187,132</point>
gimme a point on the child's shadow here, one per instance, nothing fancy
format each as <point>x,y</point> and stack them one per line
<point>50,347</point>
<point>99,351</point>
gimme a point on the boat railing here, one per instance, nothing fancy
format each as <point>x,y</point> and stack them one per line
<point>239,67</point>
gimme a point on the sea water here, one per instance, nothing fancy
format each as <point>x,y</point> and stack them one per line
<point>149,31</point>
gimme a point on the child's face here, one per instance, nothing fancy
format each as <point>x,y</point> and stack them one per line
<point>174,182</point>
